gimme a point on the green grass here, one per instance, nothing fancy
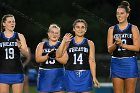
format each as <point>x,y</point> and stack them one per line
<point>32,89</point>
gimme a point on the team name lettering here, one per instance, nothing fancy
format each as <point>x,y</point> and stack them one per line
<point>47,50</point>
<point>3,44</point>
<point>74,49</point>
<point>123,35</point>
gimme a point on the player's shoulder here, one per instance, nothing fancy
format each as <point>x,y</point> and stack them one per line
<point>41,44</point>
<point>111,27</point>
<point>134,26</point>
<point>20,35</point>
<point>135,29</point>
<point>90,42</point>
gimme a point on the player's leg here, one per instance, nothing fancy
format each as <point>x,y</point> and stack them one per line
<point>17,88</point>
<point>4,88</point>
<point>26,85</point>
<point>86,92</point>
<point>130,85</point>
<point>118,85</point>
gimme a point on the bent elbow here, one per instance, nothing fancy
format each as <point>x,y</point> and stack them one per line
<point>109,51</point>
<point>137,50</point>
<point>63,62</point>
<point>37,59</point>
<point>58,55</point>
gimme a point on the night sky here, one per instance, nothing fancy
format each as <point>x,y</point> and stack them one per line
<point>34,16</point>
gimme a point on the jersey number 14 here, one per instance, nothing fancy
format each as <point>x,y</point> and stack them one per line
<point>78,59</point>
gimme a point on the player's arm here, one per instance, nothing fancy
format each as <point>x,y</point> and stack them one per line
<point>64,45</point>
<point>38,53</point>
<point>111,46</point>
<point>135,46</point>
<point>27,59</point>
<point>62,48</point>
<point>63,59</point>
<point>92,63</point>
<point>22,45</point>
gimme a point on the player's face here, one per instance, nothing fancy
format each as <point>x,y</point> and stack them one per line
<point>79,29</point>
<point>54,34</point>
<point>9,23</point>
<point>122,15</point>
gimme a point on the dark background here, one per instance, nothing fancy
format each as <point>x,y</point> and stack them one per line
<point>34,16</point>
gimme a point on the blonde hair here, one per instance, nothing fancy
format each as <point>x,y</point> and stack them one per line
<point>54,26</point>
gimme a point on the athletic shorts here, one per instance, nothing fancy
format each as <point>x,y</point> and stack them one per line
<point>11,78</point>
<point>50,80</point>
<point>125,67</point>
<point>78,80</point>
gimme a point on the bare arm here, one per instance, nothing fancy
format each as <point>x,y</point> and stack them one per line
<point>92,63</point>
<point>110,44</point>
<point>64,45</point>
<point>62,48</point>
<point>22,45</point>
<point>27,59</point>
<point>63,59</point>
<point>38,53</point>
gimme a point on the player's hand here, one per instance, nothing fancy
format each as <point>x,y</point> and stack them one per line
<point>52,54</point>
<point>118,41</point>
<point>67,37</point>
<point>96,83</point>
<point>19,43</point>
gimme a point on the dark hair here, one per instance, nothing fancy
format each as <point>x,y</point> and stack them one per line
<point>4,19</point>
<point>80,20</point>
<point>125,5</point>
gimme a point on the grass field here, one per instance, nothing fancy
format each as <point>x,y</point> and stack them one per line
<point>32,89</point>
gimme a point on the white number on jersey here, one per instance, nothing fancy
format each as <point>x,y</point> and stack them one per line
<point>79,58</point>
<point>124,42</point>
<point>50,61</point>
<point>9,53</point>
